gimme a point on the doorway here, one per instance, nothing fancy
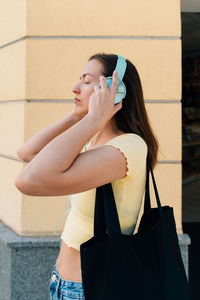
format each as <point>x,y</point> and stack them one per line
<point>191,142</point>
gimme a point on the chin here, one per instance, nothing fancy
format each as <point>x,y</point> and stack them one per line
<point>80,109</point>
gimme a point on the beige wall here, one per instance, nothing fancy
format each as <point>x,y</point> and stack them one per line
<point>43,48</point>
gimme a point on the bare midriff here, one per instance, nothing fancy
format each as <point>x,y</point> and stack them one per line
<point>69,263</point>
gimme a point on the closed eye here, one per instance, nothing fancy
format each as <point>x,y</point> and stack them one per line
<point>86,77</point>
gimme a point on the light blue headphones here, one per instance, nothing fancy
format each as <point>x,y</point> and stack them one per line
<point>121,88</point>
<point>120,94</point>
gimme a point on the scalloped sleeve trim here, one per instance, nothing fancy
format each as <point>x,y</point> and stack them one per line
<point>127,165</point>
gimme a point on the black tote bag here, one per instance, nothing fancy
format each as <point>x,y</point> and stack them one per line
<point>144,266</point>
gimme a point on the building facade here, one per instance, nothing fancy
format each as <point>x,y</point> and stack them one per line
<point>43,47</point>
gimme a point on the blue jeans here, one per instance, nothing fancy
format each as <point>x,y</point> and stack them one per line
<point>61,289</point>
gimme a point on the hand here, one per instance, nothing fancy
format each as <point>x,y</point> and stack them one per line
<point>101,103</point>
<point>77,115</point>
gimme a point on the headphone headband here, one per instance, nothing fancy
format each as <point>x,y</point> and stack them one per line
<point>121,66</point>
<point>121,88</point>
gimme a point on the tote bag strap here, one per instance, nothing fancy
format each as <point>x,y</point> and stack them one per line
<point>147,202</point>
<point>105,213</point>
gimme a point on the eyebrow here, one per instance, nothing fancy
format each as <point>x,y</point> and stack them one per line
<point>86,74</point>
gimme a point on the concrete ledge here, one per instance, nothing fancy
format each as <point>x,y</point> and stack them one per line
<point>10,239</point>
<point>184,242</point>
<point>26,264</point>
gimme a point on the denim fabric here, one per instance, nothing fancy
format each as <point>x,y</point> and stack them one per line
<point>61,289</point>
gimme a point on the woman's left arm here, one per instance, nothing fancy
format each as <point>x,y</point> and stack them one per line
<point>59,154</point>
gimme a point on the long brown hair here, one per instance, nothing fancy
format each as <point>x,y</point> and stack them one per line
<point>132,117</point>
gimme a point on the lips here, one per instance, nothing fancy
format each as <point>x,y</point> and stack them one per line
<point>77,99</point>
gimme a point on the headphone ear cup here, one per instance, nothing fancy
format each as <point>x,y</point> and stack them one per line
<point>121,89</point>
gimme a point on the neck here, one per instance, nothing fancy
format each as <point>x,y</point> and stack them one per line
<point>107,132</point>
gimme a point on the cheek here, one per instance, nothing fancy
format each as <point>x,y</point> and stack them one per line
<point>88,91</point>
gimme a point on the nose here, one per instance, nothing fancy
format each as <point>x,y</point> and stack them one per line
<point>76,88</point>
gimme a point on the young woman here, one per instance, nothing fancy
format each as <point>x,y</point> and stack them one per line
<point>117,137</point>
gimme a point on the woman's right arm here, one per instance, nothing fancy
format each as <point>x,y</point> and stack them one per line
<point>33,146</point>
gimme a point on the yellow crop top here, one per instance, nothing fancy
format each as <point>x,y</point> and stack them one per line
<point>128,192</point>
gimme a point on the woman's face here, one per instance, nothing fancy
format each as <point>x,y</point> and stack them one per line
<point>85,87</point>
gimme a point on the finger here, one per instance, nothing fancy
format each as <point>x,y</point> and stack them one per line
<point>96,89</point>
<point>113,87</point>
<point>104,86</point>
